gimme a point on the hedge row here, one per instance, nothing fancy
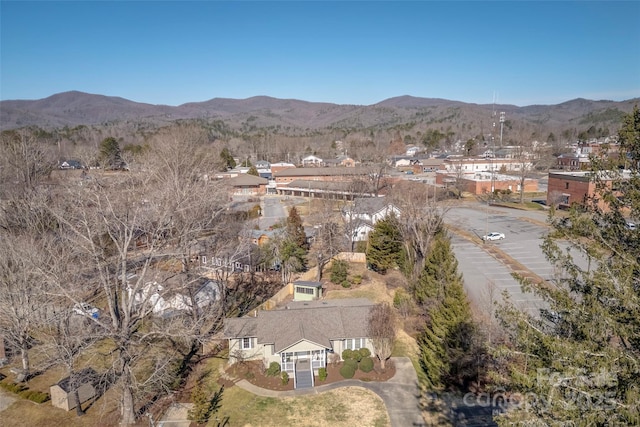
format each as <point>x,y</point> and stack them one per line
<point>24,392</point>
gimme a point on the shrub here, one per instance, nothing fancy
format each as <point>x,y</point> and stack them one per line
<point>364,352</point>
<point>347,354</point>
<point>40,397</point>
<point>357,356</point>
<point>366,364</point>
<point>24,392</point>
<point>285,378</point>
<point>356,280</point>
<point>14,387</point>
<point>273,370</point>
<point>347,371</point>
<point>345,284</point>
<point>351,363</point>
<point>322,374</point>
<point>339,271</point>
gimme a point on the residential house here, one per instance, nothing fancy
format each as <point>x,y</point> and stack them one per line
<point>360,231</point>
<point>412,150</point>
<point>371,209</point>
<point>165,300</point>
<point>312,161</point>
<point>71,164</point>
<point>262,164</point>
<point>364,213</point>
<point>344,161</point>
<point>301,337</point>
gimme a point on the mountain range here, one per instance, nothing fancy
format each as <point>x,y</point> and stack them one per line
<point>69,109</point>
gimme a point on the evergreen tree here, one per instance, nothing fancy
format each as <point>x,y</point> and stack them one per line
<point>253,171</point>
<point>447,340</point>
<point>385,249</point>
<point>295,229</point>
<point>581,357</point>
<point>440,269</point>
<point>227,159</point>
<point>110,153</point>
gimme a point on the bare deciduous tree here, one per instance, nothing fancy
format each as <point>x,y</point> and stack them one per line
<point>23,293</point>
<point>329,238</point>
<point>127,226</point>
<point>27,160</point>
<point>381,329</point>
<point>420,219</point>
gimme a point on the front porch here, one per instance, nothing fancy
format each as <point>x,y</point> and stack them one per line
<point>299,363</point>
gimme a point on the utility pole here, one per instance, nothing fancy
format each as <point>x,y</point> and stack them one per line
<point>502,119</point>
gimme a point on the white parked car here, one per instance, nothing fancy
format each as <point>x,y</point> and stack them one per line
<point>631,225</point>
<point>493,236</point>
<point>85,309</point>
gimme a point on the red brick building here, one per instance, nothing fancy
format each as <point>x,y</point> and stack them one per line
<point>568,188</point>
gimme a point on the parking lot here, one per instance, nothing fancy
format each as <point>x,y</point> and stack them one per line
<point>482,271</point>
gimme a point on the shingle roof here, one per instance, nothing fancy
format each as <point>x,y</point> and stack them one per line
<point>337,171</point>
<point>316,323</point>
<point>247,179</point>
<point>369,205</point>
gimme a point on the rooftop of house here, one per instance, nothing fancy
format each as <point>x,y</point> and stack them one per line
<point>316,321</point>
<point>369,205</point>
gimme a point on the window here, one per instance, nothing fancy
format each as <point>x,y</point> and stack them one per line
<point>354,343</point>
<point>566,185</point>
<point>301,290</point>
<point>203,259</point>
<point>246,343</point>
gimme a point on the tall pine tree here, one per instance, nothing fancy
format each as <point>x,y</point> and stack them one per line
<point>446,341</point>
<point>385,249</point>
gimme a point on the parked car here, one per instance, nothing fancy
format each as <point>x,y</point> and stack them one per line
<point>85,309</point>
<point>493,236</point>
<point>631,225</point>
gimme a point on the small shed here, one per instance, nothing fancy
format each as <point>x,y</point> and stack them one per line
<point>62,393</point>
<point>304,290</point>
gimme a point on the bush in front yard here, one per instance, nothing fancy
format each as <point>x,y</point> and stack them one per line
<point>273,370</point>
<point>347,354</point>
<point>366,364</point>
<point>364,352</point>
<point>347,370</point>
<point>285,378</point>
<point>322,374</point>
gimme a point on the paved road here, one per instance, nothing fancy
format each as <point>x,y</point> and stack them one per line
<point>272,211</point>
<point>400,394</point>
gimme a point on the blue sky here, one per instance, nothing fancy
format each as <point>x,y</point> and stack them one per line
<point>355,52</point>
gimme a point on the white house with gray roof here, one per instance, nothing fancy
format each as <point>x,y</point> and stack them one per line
<point>301,336</point>
<point>364,213</point>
